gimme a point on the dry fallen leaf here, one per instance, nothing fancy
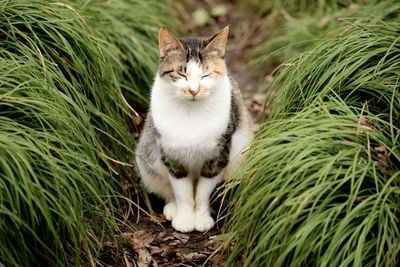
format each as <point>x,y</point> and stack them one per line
<point>169,237</point>
<point>128,263</point>
<point>155,250</point>
<point>137,120</point>
<point>194,256</point>
<point>365,123</point>
<point>154,263</point>
<point>324,21</point>
<point>144,257</point>
<point>182,237</point>
<point>382,155</point>
<point>139,239</point>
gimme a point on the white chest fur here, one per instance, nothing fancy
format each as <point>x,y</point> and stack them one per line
<point>190,127</point>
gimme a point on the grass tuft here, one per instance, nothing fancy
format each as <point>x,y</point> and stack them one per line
<point>131,28</point>
<point>64,137</point>
<point>321,186</point>
<point>360,66</point>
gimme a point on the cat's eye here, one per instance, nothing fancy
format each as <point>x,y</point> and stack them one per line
<point>206,75</point>
<point>182,75</point>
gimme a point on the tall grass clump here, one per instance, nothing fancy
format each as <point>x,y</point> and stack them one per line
<point>361,65</point>
<point>320,188</point>
<point>131,29</point>
<point>63,132</point>
<point>321,185</point>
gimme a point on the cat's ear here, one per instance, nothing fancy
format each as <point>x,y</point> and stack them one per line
<point>217,43</point>
<point>168,43</point>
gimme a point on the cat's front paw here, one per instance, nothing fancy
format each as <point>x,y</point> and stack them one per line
<point>184,223</point>
<point>204,222</point>
<point>169,210</point>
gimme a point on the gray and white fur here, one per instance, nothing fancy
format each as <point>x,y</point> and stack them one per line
<point>196,131</point>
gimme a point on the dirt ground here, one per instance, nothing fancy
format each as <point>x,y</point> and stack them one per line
<point>154,242</point>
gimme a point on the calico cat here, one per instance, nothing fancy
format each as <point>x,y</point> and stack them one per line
<point>196,131</point>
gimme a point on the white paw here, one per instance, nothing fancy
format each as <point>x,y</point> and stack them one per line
<point>169,210</point>
<point>184,223</point>
<point>204,222</point>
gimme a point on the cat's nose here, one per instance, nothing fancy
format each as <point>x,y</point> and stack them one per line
<point>194,91</point>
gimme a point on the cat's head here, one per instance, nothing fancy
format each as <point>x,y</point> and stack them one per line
<point>193,67</point>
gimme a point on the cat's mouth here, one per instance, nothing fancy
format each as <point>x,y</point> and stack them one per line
<point>193,99</point>
<point>197,98</point>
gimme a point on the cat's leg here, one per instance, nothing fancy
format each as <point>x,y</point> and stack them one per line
<point>240,144</point>
<point>155,179</point>
<point>182,185</point>
<point>205,187</point>
<point>165,187</point>
<point>169,210</point>
<point>184,218</point>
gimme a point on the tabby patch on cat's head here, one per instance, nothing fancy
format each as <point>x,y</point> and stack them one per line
<point>193,66</point>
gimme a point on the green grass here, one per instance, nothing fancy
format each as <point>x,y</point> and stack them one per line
<point>65,145</point>
<point>50,169</point>
<point>299,33</point>
<point>131,29</point>
<point>299,6</point>
<point>287,28</point>
<point>321,186</point>
<point>319,190</point>
<point>361,65</point>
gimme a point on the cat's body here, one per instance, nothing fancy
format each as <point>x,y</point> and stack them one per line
<point>196,131</point>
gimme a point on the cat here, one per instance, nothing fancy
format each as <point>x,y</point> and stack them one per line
<point>196,131</point>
